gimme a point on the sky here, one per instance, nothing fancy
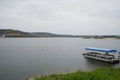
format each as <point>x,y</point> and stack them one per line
<point>81,17</point>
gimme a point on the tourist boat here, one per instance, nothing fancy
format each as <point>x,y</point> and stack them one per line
<point>94,53</point>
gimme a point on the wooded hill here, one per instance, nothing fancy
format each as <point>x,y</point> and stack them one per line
<point>17,33</point>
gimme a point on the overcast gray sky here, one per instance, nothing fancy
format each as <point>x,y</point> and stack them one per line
<point>61,16</point>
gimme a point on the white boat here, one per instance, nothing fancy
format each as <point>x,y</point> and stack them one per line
<point>106,57</point>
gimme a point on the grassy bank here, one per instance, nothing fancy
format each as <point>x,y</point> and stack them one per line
<point>98,74</point>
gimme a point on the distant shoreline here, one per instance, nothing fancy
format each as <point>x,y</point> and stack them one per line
<point>10,33</point>
<point>59,37</point>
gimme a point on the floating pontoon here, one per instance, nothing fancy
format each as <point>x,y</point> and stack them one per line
<point>106,57</point>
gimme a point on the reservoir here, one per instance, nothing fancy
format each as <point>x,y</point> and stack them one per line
<point>22,58</point>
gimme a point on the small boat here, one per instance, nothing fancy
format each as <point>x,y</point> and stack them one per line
<point>105,56</point>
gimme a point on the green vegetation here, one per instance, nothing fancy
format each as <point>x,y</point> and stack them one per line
<point>98,74</point>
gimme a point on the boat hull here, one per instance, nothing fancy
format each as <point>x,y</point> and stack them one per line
<point>101,59</point>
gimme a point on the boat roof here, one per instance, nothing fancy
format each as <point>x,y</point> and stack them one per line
<point>100,49</point>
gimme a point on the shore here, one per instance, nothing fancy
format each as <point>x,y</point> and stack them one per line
<point>98,74</point>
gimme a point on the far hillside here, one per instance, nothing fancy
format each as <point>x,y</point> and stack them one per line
<point>14,33</point>
<point>17,33</point>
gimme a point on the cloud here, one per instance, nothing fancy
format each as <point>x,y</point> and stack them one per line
<point>61,16</point>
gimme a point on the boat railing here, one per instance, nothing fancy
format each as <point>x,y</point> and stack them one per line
<point>98,55</point>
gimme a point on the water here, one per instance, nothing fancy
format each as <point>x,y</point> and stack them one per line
<point>22,58</point>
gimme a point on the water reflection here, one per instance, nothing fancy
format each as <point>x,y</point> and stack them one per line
<point>97,64</point>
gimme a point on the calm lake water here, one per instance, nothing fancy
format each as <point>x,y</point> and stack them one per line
<point>22,58</point>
